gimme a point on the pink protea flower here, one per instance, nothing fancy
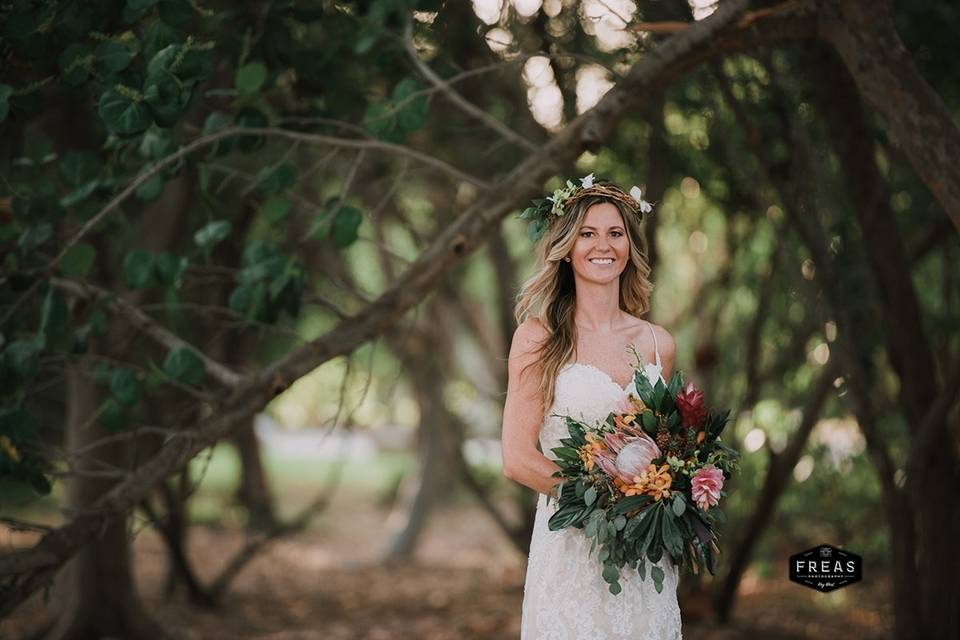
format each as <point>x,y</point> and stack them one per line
<point>706,485</point>
<point>615,441</point>
<point>633,459</point>
<point>607,461</point>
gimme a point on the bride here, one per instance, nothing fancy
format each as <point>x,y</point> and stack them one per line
<point>569,356</point>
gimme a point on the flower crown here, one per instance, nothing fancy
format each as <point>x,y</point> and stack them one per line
<point>545,210</point>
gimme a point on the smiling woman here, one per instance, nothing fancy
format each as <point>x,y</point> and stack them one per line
<point>581,307</point>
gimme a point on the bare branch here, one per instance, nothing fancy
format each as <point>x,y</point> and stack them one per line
<point>462,103</point>
<point>147,325</point>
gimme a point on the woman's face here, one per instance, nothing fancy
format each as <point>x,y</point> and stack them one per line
<point>602,248</point>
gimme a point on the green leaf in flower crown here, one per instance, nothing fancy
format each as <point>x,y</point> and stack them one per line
<point>346,223</point>
<point>276,178</point>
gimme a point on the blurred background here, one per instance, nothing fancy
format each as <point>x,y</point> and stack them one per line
<point>258,270</point>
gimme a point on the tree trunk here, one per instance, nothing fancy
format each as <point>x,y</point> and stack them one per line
<point>253,492</point>
<point>437,444</point>
<point>910,354</point>
<point>95,593</point>
<point>918,121</point>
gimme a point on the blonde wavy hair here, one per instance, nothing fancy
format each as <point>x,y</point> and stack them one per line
<point>550,296</point>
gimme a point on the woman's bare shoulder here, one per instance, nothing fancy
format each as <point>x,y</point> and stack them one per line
<point>529,335</point>
<point>665,340</point>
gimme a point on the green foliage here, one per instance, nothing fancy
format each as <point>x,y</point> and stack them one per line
<point>184,366</point>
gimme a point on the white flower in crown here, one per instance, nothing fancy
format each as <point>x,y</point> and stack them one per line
<point>637,195</point>
<point>587,181</point>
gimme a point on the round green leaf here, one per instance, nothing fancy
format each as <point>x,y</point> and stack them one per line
<point>168,267</point>
<point>345,225</point>
<point>166,97</point>
<point>126,387</point>
<point>151,188</point>
<point>250,77</point>
<point>112,415</point>
<point>212,233</point>
<point>22,358</point>
<point>79,167</point>
<point>138,269</point>
<point>75,63</point>
<point>411,111</point>
<point>184,365</point>
<point>114,56</point>
<point>275,208</point>
<point>123,114</point>
<point>277,178</point>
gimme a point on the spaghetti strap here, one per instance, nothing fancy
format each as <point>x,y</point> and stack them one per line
<point>656,350</point>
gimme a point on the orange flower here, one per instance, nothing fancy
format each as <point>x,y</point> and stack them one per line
<point>586,452</point>
<point>653,481</point>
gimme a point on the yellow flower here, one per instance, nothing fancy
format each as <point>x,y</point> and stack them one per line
<point>9,449</point>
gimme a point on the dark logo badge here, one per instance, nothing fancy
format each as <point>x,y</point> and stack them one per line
<point>826,568</point>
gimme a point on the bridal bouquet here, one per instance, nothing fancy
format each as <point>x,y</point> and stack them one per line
<point>647,479</point>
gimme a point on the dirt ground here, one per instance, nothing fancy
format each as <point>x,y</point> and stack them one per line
<point>465,583</point>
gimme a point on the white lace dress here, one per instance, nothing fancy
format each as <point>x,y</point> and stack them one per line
<point>565,597</point>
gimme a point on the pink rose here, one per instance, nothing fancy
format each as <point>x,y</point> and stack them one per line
<point>706,486</point>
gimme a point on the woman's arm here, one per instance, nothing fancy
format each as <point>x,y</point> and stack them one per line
<point>668,351</point>
<point>523,413</point>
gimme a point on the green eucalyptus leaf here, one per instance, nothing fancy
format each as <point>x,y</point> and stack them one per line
<point>589,496</point>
